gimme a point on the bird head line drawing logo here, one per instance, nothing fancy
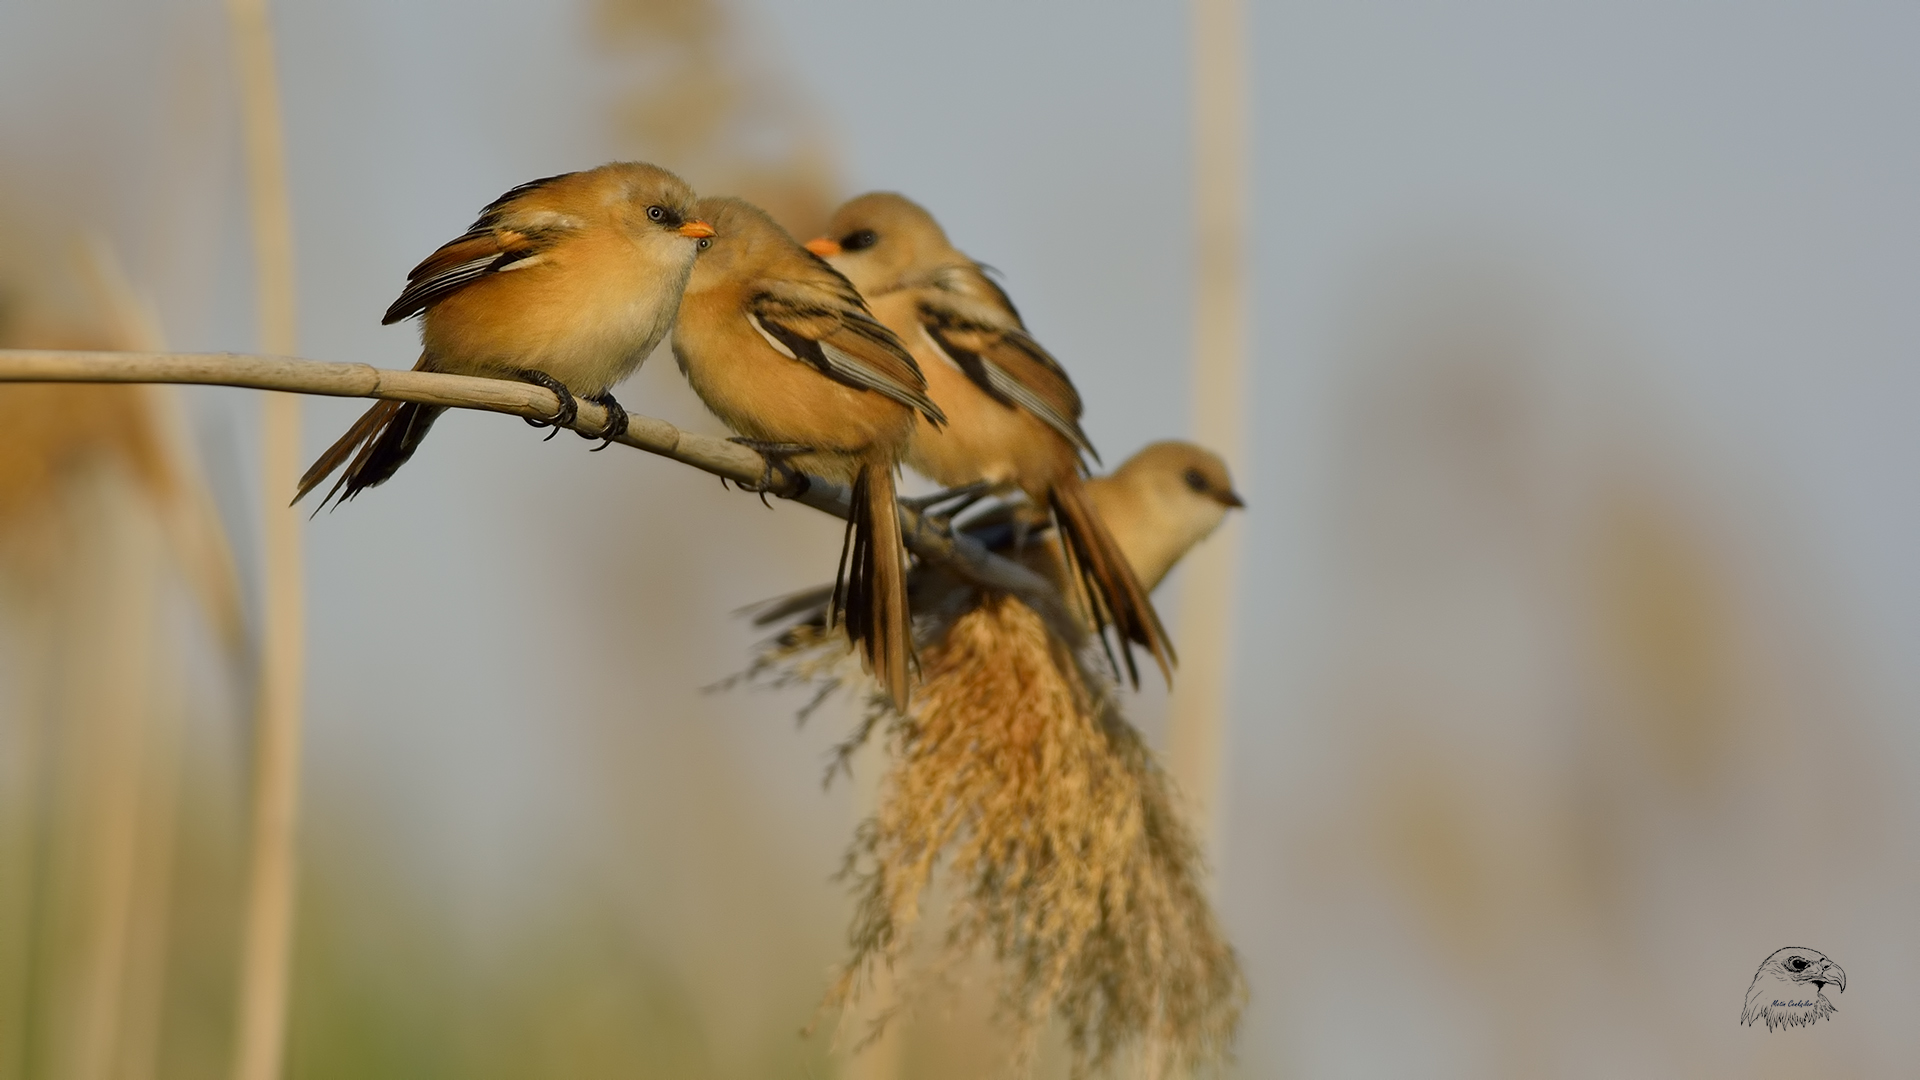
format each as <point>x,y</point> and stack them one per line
<point>1789,990</point>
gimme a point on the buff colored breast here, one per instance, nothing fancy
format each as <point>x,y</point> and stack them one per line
<point>588,312</point>
<point>763,394</point>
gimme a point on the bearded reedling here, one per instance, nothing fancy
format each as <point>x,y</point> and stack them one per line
<point>1016,414</point>
<point>782,349</point>
<point>567,282</point>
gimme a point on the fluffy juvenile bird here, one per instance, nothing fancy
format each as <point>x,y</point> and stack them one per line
<point>782,349</point>
<point>1789,989</point>
<point>1016,414</point>
<point>567,282</point>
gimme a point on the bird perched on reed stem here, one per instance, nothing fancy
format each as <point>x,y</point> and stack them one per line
<point>568,282</point>
<point>1016,777</point>
<point>1157,505</point>
<point>781,348</point>
<point>1016,414</point>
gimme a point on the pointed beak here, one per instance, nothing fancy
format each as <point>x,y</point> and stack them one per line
<point>696,230</point>
<point>1232,499</point>
<point>1830,973</point>
<point>823,247</point>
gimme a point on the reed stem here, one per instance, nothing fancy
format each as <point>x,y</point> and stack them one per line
<point>266,949</point>
<point>1205,622</point>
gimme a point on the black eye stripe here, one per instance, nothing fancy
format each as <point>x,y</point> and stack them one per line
<point>858,239</point>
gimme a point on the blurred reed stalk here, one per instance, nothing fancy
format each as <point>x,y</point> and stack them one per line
<point>698,95</point>
<point>136,767</point>
<point>1205,621</point>
<point>97,489</point>
<point>111,615</point>
<point>266,960</point>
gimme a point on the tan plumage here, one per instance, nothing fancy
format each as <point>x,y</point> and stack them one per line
<point>1016,414</point>
<point>1156,506</point>
<point>782,349</point>
<point>569,281</point>
<point>1017,779</point>
<point>1161,502</point>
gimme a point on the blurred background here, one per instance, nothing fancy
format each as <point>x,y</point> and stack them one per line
<point>1576,650</point>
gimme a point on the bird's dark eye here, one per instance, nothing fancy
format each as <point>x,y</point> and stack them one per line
<point>705,242</point>
<point>1798,963</point>
<point>854,241</point>
<point>657,213</point>
<point>1195,479</point>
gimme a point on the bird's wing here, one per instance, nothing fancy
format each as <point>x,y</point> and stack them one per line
<point>508,235</point>
<point>829,328</point>
<point>988,345</point>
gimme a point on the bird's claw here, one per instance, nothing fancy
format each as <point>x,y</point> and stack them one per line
<point>616,425</point>
<point>568,412</point>
<point>792,483</point>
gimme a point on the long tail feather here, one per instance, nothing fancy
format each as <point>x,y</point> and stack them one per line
<point>877,614</point>
<point>379,443</point>
<point>1113,593</point>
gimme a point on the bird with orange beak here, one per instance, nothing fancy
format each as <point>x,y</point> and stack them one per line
<point>568,282</point>
<point>782,349</point>
<point>1015,413</point>
<point>1157,505</point>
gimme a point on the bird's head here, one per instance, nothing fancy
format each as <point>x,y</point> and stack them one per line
<point>656,206</point>
<point>880,240</point>
<point>1162,501</point>
<point>744,240</point>
<point>1805,967</point>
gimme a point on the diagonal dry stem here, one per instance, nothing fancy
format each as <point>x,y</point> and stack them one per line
<point>720,457</point>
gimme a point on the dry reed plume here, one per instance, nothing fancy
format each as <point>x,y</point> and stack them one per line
<point>1064,851</point>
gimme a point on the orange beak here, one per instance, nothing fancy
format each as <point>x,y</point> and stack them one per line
<point>823,247</point>
<point>696,230</point>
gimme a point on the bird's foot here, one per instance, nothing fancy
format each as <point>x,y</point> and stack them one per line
<point>616,422</point>
<point>569,411</point>
<point>776,475</point>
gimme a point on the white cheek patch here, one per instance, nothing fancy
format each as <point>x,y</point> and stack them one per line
<point>778,345</point>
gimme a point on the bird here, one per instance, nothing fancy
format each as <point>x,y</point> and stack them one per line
<point>1161,502</point>
<point>567,282</point>
<point>1016,414</point>
<point>1157,506</point>
<point>1789,990</point>
<point>782,349</point>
